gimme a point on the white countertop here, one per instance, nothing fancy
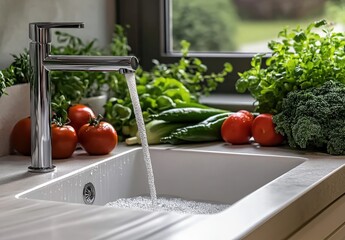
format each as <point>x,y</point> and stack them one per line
<point>272,212</point>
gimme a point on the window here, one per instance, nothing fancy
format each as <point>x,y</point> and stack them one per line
<point>219,30</point>
<point>242,26</point>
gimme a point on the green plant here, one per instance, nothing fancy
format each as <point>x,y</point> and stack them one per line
<point>18,72</point>
<point>4,83</point>
<point>207,25</point>
<point>119,44</point>
<point>301,59</point>
<point>75,85</point>
<point>191,72</point>
<point>335,10</point>
<point>60,107</point>
<point>166,86</point>
<point>155,96</point>
<point>314,118</point>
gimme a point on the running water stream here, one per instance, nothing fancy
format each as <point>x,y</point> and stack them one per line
<point>142,133</point>
<point>161,204</point>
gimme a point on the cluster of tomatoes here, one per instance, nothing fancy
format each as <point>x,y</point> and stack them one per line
<point>239,127</point>
<point>95,136</point>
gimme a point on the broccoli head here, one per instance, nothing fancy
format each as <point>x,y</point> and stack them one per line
<point>314,118</point>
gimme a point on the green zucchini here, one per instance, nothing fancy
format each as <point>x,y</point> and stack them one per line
<point>205,131</point>
<point>187,115</point>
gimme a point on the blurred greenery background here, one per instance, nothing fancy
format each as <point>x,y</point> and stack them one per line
<point>244,25</point>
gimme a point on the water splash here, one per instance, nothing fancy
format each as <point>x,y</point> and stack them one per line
<point>176,205</point>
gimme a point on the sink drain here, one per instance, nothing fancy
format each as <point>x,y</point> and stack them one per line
<point>89,193</point>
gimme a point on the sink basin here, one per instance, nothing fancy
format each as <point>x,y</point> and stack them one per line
<point>199,175</point>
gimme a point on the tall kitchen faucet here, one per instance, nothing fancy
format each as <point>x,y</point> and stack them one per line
<point>40,97</point>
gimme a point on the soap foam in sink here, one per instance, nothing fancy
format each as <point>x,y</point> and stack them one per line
<point>177,205</point>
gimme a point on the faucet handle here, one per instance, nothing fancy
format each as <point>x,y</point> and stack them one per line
<point>40,31</point>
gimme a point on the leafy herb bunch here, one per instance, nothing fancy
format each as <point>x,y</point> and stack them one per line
<point>4,83</point>
<point>18,72</point>
<point>166,86</point>
<point>302,59</point>
<point>191,72</point>
<point>75,85</point>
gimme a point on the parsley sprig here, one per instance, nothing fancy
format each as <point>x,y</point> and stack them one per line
<point>301,58</point>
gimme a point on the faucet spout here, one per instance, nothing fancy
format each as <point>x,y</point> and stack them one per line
<point>41,63</point>
<point>90,63</point>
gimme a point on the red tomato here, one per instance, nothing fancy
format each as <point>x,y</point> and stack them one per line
<point>263,131</point>
<point>98,138</point>
<point>236,129</point>
<point>79,115</point>
<point>249,114</point>
<point>64,141</point>
<point>20,138</point>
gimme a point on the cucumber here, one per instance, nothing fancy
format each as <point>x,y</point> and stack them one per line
<point>187,115</point>
<point>205,131</point>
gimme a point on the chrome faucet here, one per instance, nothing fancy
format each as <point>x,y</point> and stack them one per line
<point>42,62</point>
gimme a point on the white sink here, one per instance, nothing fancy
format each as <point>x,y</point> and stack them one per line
<point>217,177</point>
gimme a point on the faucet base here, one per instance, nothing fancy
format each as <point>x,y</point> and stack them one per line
<point>41,170</point>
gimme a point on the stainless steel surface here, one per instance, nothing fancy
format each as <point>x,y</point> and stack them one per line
<point>40,31</point>
<point>89,193</point>
<point>90,63</point>
<point>42,62</point>
<point>41,170</point>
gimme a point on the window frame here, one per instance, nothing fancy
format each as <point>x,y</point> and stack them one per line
<point>147,37</point>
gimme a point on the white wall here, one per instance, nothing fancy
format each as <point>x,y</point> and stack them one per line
<point>15,16</point>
